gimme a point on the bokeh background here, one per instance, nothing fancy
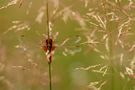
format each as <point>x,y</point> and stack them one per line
<point>98,54</point>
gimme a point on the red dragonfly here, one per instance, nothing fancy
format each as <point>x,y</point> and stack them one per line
<point>49,47</point>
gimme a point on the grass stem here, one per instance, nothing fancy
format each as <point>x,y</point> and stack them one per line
<point>50,76</point>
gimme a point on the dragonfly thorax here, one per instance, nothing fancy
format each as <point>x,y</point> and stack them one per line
<point>49,44</point>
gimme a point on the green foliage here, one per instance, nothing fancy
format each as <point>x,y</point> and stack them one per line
<point>94,42</point>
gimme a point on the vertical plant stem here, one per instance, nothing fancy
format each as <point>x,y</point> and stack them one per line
<point>50,76</point>
<point>48,34</point>
<point>47,19</point>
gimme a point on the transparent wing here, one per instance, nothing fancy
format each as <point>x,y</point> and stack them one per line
<point>71,45</point>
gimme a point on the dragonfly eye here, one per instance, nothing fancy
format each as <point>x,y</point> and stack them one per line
<point>49,41</point>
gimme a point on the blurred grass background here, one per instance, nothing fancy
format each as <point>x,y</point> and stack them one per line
<point>26,68</point>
